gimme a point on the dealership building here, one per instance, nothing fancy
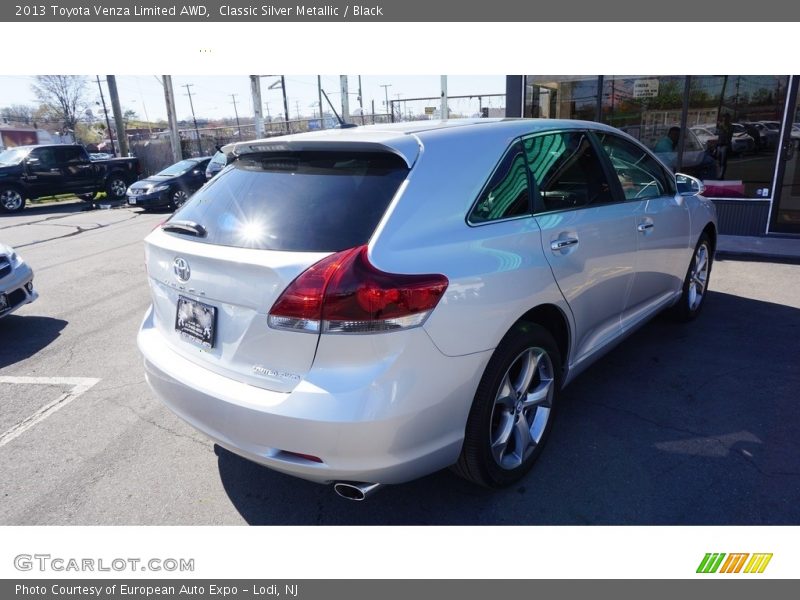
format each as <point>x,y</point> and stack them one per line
<point>754,178</point>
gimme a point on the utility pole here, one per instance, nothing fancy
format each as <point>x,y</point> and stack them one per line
<point>285,103</point>
<point>361,101</point>
<point>399,114</point>
<point>345,98</point>
<point>386,87</point>
<point>236,112</point>
<point>319,93</point>
<point>445,110</point>
<point>373,111</point>
<point>258,117</point>
<point>105,112</point>
<point>191,104</point>
<point>122,138</point>
<point>169,97</point>
<point>297,108</point>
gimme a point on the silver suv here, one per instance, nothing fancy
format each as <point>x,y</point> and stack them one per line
<point>366,306</point>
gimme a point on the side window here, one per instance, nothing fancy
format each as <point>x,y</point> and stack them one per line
<point>506,195</point>
<point>566,171</point>
<point>46,157</point>
<point>70,155</point>
<point>639,174</point>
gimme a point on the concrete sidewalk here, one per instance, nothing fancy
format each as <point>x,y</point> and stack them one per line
<point>782,248</point>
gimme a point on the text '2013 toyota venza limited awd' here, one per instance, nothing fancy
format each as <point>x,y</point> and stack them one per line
<point>366,306</point>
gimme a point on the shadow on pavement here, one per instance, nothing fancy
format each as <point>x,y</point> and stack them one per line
<point>23,336</point>
<point>680,424</point>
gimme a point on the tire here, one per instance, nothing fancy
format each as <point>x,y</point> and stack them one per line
<point>11,199</point>
<point>116,187</point>
<point>695,284</point>
<point>512,414</point>
<point>178,198</point>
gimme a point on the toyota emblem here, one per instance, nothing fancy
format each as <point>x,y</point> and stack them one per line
<point>181,269</point>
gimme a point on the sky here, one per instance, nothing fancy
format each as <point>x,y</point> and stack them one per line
<point>212,99</point>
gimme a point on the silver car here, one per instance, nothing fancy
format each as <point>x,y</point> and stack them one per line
<point>366,306</point>
<point>16,281</point>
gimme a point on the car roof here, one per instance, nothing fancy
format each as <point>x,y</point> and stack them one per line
<point>406,138</point>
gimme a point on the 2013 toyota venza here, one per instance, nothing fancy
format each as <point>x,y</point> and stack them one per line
<point>366,306</point>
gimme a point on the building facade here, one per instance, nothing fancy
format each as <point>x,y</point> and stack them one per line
<point>739,134</point>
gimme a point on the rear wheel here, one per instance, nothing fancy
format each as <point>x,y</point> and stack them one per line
<point>115,187</point>
<point>11,199</point>
<point>513,409</point>
<point>695,285</point>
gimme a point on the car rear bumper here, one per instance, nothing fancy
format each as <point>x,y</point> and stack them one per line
<point>385,418</point>
<point>18,287</point>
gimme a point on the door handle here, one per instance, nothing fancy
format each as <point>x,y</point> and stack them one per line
<point>55,170</point>
<point>645,226</point>
<point>560,244</point>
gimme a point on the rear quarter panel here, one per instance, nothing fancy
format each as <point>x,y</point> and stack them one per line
<point>496,271</point>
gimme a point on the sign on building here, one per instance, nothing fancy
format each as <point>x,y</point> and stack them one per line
<point>645,88</point>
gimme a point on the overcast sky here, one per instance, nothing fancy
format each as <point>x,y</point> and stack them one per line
<point>212,94</point>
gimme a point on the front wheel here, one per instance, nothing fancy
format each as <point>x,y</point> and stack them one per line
<point>695,285</point>
<point>11,200</point>
<point>513,409</point>
<point>178,198</point>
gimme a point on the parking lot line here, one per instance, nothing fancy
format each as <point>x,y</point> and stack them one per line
<point>79,386</point>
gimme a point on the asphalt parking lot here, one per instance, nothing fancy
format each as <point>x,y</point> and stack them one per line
<point>694,424</point>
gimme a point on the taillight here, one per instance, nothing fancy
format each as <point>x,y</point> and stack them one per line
<point>344,293</point>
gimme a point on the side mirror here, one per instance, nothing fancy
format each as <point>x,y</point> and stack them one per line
<point>688,185</point>
<point>32,162</point>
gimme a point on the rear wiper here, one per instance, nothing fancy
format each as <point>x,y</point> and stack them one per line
<point>185,227</point>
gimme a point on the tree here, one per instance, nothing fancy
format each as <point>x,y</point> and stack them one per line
<point>20,113</point>
<point>64,96</point>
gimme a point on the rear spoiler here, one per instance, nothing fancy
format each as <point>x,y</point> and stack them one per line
<point>406,147</point>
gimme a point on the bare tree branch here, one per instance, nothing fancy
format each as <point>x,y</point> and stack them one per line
<point>63,95</point>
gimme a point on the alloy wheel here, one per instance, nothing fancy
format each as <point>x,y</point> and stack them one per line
<point>11,200</point>
<point>698,278</point>
<point>522,408</point>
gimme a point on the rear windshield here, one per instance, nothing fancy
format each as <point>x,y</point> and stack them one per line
<point>297,201</point>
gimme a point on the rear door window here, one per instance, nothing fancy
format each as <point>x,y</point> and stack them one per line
<point>297,201</point>
<point>566,171</point>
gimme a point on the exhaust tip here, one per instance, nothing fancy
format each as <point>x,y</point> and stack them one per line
<point>357,492</point>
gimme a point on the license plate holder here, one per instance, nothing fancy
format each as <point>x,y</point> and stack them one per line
<point>196,322</point>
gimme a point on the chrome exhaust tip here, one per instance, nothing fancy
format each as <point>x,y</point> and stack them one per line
<point>358,492</point>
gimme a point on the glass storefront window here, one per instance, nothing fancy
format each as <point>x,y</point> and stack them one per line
<point>736,121</point>
<point>561,97</point>
<point>787,217</point>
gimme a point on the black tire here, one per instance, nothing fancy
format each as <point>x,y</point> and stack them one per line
<point>12,199</point>
<point>489,418</point>
<point>116,187</point>
<point>692,300</point>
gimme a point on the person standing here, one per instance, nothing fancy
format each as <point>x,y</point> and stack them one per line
<point>725,139</point>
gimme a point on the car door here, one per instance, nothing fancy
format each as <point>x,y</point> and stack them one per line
<point>43,172</point>
<point>662,226</point>
<point>78,170</point>
<point>588,234</point>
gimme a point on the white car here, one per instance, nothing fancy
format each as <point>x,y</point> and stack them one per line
<point>366,306</point>
<point>16,281</point>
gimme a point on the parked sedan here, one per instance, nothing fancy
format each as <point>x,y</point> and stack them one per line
<point>366,306</point>
<point>171,187</point>
<point>16,281</point>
